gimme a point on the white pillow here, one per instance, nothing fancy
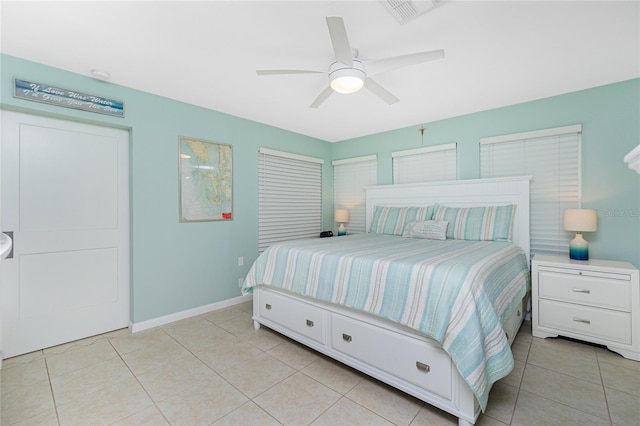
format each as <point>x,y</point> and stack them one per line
<point>429,229</point>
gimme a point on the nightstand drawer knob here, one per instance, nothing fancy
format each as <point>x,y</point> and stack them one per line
<point>346,338</point>
<point>268,306</point>
<point>582,290</point>
<point>309,323</point>
<point>584,321</point>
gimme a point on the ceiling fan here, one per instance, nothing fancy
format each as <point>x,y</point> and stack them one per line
<point>348,75</point>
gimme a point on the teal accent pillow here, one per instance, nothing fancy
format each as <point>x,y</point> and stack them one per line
<point>392,220</point>
<point>491,223</point>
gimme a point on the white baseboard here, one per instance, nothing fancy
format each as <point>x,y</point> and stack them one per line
<point>155,322</point>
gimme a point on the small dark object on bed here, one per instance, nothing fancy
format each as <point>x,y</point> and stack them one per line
<point>324,234</point>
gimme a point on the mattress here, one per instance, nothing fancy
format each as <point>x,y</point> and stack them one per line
<point>456,292</point>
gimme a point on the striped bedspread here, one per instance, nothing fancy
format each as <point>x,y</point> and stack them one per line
<point>454,291</point>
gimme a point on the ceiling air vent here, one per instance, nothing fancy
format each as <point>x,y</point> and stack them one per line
<point>405,10</point>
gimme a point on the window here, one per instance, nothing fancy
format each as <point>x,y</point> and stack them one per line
<point>350,177</point>
<point>289,197</point>
<point>552,157</point>
<point>431,163</point>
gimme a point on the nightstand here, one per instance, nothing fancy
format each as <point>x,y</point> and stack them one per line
<point>594,300</point>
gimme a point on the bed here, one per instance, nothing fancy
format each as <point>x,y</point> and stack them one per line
<point>434,318</point>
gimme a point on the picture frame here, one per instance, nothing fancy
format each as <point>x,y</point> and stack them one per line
<point>205,171</point>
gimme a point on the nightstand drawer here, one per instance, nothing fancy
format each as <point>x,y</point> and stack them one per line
<point>612,291</point>
<point>614,326</point>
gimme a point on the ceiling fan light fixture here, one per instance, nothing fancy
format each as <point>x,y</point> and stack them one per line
<point>347,84</point>
<point>344,79</point>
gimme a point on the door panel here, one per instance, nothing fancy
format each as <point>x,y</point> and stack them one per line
<point>65,195</point>
<point>85,171</point>
<point>90,279</point>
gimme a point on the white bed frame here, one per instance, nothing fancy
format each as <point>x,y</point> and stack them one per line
<point>397,355</point>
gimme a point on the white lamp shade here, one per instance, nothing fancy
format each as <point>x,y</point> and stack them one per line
<point>581,220</point>
<point>341,216</point>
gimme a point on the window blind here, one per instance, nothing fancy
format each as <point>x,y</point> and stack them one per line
<point>289,197</point>
<point>552,157</point>
<point>350,177</point>
<point>431,163</point>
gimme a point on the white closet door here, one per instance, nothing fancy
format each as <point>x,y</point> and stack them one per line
<point>65,197</point>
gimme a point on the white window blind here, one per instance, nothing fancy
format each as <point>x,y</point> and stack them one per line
<point>552,157</point>
<point>289,197</point>
<point>350,177</point>
<point>425,164</point>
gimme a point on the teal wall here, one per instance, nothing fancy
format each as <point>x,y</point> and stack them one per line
<point>176,266</point>
<point>179,266</point>
<point>610,117</point>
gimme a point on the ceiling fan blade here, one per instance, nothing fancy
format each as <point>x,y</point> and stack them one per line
<point>380,91</point>
<point>379,66</point>
<point>278,72</point>
<point>339,39</point>
<point>321,97</point>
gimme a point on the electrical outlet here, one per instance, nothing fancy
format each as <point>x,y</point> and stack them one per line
<point>240,261</point>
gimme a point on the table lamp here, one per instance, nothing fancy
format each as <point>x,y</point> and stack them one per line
<point>580,220</point>
<point>341,217</point>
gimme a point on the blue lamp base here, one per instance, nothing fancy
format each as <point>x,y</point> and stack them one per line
<point>579,248</point>
<point>341,230</point>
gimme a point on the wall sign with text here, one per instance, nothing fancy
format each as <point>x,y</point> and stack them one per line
<point>44,93</point>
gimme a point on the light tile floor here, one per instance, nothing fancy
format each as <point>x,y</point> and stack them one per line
<point>215,369</point>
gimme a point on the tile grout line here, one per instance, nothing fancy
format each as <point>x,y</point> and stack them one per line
<point>563,403</point>
<point>141,385</point>
<point>53,395</point>
<point>604,390</point>
<point>249,399</point>
<point>526,362</point>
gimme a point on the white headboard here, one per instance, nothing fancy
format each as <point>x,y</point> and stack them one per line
<point>460,193</point>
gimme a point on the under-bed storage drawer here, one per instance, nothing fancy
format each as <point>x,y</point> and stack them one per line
<point>413,360</point>
<point>513,323</point>
<point>296,316</point>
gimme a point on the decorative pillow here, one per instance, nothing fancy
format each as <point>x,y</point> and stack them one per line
<point>392,220</point>
<point>491,223</point>
<point>429,229</point>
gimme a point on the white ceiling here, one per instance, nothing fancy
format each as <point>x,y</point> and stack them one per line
<point>206,53</point>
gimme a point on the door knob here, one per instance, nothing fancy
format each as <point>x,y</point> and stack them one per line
<point>6,245</point>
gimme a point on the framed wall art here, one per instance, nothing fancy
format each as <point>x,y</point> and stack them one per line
<point>206,180</point>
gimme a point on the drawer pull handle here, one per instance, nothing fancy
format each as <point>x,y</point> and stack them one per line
<point>268,306</point>
<point>576,319</point>
<point>346,338</point>
<point>425,368</point>
<point>582,290</point>
<point>309,323</point>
